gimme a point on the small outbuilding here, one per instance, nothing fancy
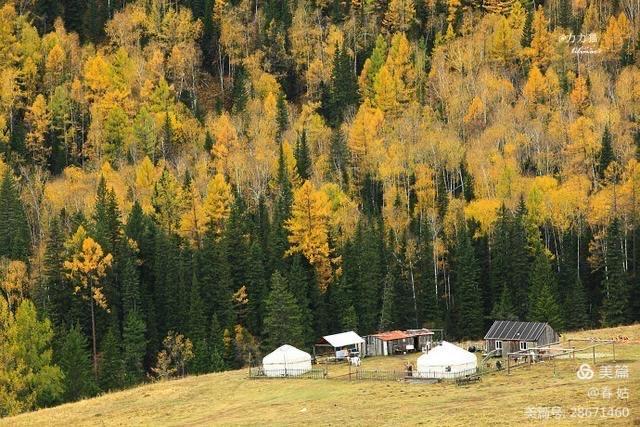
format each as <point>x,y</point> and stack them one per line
<point>510,336</point>
<point>286,361</point>
<point>447,361</point>
<point>342,345</point>
<point>395,342</point>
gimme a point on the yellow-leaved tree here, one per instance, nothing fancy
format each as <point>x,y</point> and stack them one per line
<point>86,268</point>
<point>38,120</point>
<point>14,281</point>
<point>192,222</point>
<point>217,204</point>
<point>309,229</point>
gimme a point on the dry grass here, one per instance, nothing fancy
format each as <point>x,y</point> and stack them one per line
<point>231,399</point>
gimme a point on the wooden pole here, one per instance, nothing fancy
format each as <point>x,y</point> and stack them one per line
<point>594,354</point>
<point>613,348</point>
<point>508,365</point>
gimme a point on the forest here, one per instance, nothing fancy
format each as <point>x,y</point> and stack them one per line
<point>186,184</point>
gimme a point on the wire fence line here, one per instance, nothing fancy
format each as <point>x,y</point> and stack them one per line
<point>384,375</point>
<point>258,372</point>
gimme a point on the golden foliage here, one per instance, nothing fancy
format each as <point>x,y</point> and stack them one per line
<point>309,229</point>
<point>86,267</point>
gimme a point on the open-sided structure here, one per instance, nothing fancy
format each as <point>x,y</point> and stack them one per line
<point>342,345</point>
<point>286,361</point>
<point>447,361</point>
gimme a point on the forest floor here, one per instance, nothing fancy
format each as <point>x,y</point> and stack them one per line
<point>230,398</point>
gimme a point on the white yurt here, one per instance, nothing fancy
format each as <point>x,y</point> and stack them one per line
<point>286,361</point>
<point>447,361</point>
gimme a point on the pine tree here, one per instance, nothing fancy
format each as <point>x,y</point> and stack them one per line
<point>301,287</point>
<point>56,294</point>
<point>606,152</point>
<point>527,31</point>
<point>565,18</point>
<point>14,230</point>
<point>282,117</point>
<point>282,322</point>
<point>134,345</point>
<point>197,330</point>
<point>576,307</point>
<point>303,157</point>
<point>615,306</point>
<point>465,275</point>
<point>216,346</point>
<point>75,363</point>
<point>111,373</point>
<point>343,91</point>
<point>387,314</point>
<point>543,297</point>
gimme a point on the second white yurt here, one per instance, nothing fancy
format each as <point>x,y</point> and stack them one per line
<point>447,361</point>
<point>286,361</point>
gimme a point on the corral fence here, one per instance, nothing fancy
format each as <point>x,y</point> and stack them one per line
<point>258,372</point>
<point>384,375</point>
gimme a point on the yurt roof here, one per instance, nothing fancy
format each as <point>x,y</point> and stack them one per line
<point>447,354</point>
<point>286,353</point>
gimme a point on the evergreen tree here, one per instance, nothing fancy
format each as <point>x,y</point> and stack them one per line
<point>256,287</point>
<point>134,347</point>
<point>216,346</point>
<point>303,157</point>
<point>606,152</point>
<point>111,373</point>
<point>349,319</point>
<point>282,322</point>
<point>343,91</point>
<point>565,15</point>
<point>56,295</point>
<point>543,298</point>
<point>300,286</point>
<point>282,117</point>
<point>14,230</point>
<point>278,240</point>
<point>239,93</point>
<point>615,287</point>
<point>95,17</point>
<point>519,254</point>
<point>576,307</point>
<point>75,363</point>
<point>465,273</point>
<point>527,31</point>
<point>197,330</point>
<point>387,315</point>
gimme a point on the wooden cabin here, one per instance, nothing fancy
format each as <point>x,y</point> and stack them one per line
<point>510,336</point>
<point>398,342</point>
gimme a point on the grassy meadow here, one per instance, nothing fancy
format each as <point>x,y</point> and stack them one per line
<point>230,398</point>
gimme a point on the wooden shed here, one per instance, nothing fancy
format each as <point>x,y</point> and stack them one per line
<point>509,336</point>
<point>395,342</point>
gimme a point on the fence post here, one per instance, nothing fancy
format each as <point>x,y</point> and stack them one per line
<point>613,348</point>
<point>508,365</point>
<point>349,371</point>
<point>594,354</point>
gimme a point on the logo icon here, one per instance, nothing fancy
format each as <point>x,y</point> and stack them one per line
<point>585,372</point>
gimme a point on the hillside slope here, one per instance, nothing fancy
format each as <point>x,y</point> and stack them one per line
<point>230,398</point>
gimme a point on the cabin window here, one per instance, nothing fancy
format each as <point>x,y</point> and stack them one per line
<point>498,345</point>
<point>523,345</point>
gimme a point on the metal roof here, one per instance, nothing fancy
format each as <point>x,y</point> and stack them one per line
<point>514,330</point>
<point>343,339</point>
<point>391,335</point>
